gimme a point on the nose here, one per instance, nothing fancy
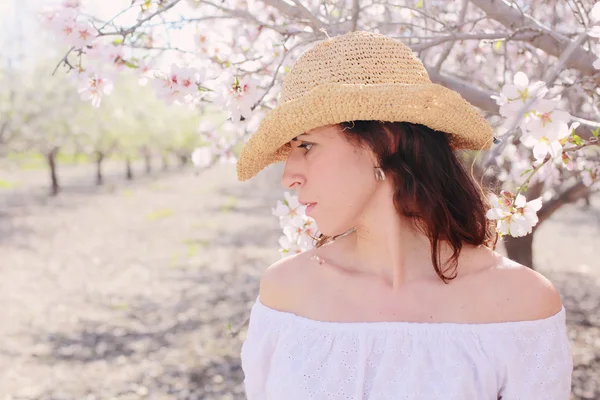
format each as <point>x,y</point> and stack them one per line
<point>292,178</point>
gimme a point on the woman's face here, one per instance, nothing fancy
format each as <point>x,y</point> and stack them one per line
<point>324,168</point>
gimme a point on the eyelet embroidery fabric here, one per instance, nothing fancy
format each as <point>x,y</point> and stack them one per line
<point>290,357</point>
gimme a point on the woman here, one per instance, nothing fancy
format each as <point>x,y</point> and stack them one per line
<point>404,296</point>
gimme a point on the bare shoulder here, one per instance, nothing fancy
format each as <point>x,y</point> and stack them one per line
<point>282,281</point>
<point>523,294</point>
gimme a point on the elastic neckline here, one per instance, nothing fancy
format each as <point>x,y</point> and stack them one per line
<point>422,327</point>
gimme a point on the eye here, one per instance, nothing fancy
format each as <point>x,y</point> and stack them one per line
<point>305,146</point>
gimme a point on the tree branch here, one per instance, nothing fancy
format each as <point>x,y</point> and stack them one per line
<point>285,54</point>
<point>299,12</point>
<point>355,12</point>
<point>519,36</point>
<point>468,91</point>
<point>550,77</point>
<point>574,193</point>
<point>584,121</point>
<point>551,42</point>
<point>315,22</point>
<point>128,31</point>
<point>65,60</point>
<point>232,13</point>
<point>449,46</point>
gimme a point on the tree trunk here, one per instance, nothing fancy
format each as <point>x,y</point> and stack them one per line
<point>51,158</point>
<point>520,249</point>
<point>165,161</point>
<point>99,159</point>
<point>128,169</point>
<point>183,160</point>
<point>147,159</point>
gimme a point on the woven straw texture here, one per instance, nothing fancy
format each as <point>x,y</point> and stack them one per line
<point>360,76</point>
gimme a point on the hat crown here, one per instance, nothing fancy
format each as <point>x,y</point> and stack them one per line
<point>359,58</point>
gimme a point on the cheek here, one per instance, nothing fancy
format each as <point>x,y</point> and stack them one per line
<point>346,184</point>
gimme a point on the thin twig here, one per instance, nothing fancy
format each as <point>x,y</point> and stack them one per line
<point>551,76</point>
<point>241,14</point>
<point>505,36</point>
<point>549,41</point>
<point>449,46</point>
<point>128,31</point>
<point>268,88</point>
<point>64,60</point>
<point>115,17</point>
<point>355,13</point>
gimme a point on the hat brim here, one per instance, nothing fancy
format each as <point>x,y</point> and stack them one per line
<point>428,104</point>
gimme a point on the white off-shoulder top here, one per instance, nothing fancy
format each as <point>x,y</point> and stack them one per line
<point>290,357</point>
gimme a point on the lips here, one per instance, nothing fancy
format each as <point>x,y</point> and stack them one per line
<point>309,206</point>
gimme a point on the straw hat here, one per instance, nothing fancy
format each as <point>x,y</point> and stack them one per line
<point>360,76</point>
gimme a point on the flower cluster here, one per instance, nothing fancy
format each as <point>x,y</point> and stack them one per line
<point>180,85</point>
<point>299,230</point>
<point>544,126</point>
<point>69,27</point>
<point>516,216</point>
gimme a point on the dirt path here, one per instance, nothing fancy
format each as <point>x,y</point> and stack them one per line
<point>126,291</point>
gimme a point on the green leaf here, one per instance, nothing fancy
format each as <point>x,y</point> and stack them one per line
<point>578,141</point>
<point>228,325</point>
<point>498,45</point>
<point>420,4</point>
<point>595,132</point>
<point>117,41</point>
<point>130,64</point>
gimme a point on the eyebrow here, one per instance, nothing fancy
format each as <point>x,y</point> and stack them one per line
<point>302,134</point>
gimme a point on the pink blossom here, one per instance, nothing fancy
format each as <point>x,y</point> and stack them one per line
<point>84,35</point>
<point>107,53</point>
<point>94,87</point>
<point>237,94</point>
<point>71,3</point>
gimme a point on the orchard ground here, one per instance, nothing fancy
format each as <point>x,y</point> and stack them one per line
<point>126,291</point>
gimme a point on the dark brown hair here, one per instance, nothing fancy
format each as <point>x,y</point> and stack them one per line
<point>433,189</point>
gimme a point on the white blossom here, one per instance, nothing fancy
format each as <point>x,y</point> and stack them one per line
<point>288,209</point>
<point>236,94</point>
<point>93,86</point>
<point>514,218</point>
<point>514,96</point>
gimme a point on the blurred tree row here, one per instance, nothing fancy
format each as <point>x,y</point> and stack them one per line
<point>43,114</point>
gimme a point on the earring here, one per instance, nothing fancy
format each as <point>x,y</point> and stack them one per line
<point>379,174</point>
